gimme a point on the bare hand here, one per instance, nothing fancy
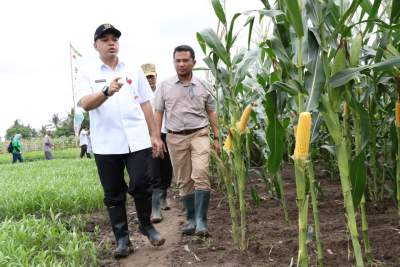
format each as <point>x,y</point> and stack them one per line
<point>158,147</point>
<point>115,85</point>
<point>217,146</point>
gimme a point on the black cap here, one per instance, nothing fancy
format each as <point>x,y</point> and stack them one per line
<point>106,28</point>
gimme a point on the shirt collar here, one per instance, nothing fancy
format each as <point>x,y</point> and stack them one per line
<point>103,66</point>
<point>193,81</point>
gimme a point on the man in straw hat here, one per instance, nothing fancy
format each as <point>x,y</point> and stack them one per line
<point>161,167</point>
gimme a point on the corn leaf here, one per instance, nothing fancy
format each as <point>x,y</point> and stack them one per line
<point>372,14</point>
<point>315,76</point>
<point>219,11</point>
<point>349,13</point>
<point>346,75</point>
<point>293,14</point>
<point>201,42</point>
<point>229,38</point>
<point>395,14</point>
<point>255,197</point>
<point>243,67</point>
<point>358,177</point>
<point>275,139</point>
<point>364,122</point>
<point>250,21</point>
<point>211,39</point>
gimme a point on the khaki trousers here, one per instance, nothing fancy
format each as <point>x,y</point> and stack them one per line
<point>190,155</point>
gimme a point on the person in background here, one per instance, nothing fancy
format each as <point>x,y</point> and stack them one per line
<point>17,148</point>
<point>89,143</point>
<point>47,146</point>
<point>190,110</point>
<point>83,142</point>
<point>161,168</point>
<point>123,135</point>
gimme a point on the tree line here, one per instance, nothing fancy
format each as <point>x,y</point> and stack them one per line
<point>62,127</point>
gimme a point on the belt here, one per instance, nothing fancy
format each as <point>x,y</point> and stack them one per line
<point>186,132</point>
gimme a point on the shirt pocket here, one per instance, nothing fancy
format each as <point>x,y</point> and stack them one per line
<point>98,83</point>
<point>198,97</point>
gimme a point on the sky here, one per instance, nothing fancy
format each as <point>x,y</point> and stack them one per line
<point>35,70</point>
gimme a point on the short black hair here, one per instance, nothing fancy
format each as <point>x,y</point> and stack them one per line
<point>184,48</point>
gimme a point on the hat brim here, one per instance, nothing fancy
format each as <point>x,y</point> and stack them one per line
<point>113,31</point>
<point>150,73</point>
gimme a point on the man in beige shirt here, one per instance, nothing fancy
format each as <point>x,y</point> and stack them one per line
<point>189,108</point>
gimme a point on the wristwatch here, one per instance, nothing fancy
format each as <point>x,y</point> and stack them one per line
<point>105,91</point>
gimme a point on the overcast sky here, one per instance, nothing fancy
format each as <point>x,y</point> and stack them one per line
<point>35,76</point>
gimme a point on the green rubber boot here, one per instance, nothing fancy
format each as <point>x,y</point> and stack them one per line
<point>201,201</point>
<point>156,215</point>
<point>190,225</point>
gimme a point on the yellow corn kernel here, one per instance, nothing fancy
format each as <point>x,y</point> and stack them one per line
<point>303,134</point>
<point>242,124</point>
<point>229,141</point>
<point>398,113</point>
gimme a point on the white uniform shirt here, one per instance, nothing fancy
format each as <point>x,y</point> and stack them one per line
<point>82,138</point>
<point>117,126</point>
<point>163,128</point>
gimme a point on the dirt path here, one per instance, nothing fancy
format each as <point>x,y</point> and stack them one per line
<point>147,255</point>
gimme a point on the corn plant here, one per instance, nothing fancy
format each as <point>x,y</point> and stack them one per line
<point>337,60</point>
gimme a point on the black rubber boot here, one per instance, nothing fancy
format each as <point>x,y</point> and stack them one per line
<point>164,202</point>
<point>143,209</point>
<point>201,201</point>
<point>190,225</point>
<point>119,225</point>
<point>156,215</point>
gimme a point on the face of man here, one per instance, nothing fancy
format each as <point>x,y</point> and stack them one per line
<point>107,45</point>
<point>184,63</point>
<point>152,79</point>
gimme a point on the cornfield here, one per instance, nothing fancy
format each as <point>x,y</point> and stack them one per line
<point>323,80</point>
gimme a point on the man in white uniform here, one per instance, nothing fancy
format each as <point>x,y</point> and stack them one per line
<point>83,142</point>
<point>121,119</point>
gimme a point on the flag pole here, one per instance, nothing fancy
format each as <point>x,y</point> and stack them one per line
<point>72,77</point>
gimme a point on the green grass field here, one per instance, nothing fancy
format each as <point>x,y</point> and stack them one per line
<point>69,153</point>
<point>40,203</point>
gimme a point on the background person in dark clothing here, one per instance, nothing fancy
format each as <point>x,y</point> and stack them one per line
<point>161,167</point>
<point>83,142</point>
<point>17,148</point>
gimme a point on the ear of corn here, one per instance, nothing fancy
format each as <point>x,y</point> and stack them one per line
<point>355,50</point>
<point>242,124</point>
<point>340,60</point>
<point>303,133</point>
<point>229,141</point>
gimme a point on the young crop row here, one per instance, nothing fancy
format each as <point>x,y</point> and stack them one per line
<point>40,203</point>
<point>45,242</point>
<point>69,153</point>
<point>66,186</point>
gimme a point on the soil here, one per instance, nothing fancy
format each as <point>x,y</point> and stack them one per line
<point>271,241</point>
